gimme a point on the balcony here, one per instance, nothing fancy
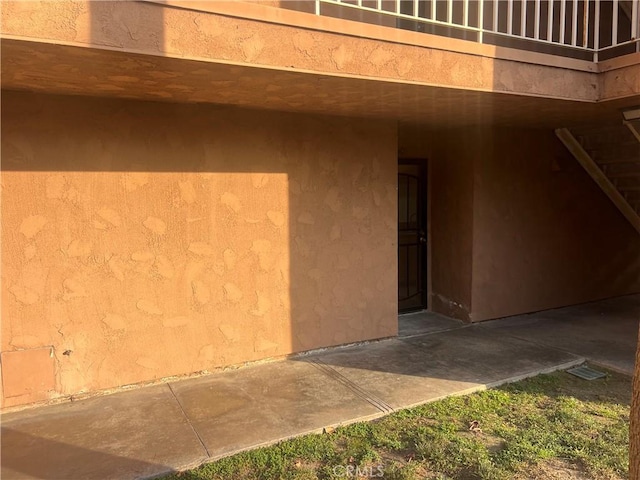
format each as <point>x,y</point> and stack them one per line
<point>587,30</point>
<point>353,59</point>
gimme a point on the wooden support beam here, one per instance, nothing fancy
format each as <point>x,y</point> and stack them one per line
<point>633,129</point>
<point>569,141</point>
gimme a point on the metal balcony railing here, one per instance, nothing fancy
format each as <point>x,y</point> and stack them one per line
<point>590,30</point>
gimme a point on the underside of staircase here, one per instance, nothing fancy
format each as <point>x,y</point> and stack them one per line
<point>611,156</point>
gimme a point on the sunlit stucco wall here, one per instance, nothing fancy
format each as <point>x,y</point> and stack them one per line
<point>144,240</point>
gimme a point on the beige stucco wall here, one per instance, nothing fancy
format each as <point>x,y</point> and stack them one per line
<point>260,35</point>
<point>450,211</point>
<point>516,225</point>
<point>544,234</point>
<point>144,240</point>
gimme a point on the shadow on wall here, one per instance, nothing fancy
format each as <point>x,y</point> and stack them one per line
<point>149,240</point>
<point>517,224</point>
<point>146,240</point>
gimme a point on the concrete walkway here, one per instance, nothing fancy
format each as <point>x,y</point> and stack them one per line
<point>152,430</point>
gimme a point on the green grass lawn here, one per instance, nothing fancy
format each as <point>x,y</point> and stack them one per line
<point>549,427</point>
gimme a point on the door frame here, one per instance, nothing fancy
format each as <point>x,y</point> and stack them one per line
<point>425,219</point>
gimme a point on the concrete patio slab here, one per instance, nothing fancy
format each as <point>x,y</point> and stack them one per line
<point>404,372</point>
<point>266,403</point>
<point>604,332</point>
<point>135,434</point>
<point>421,323</point>
<point>145,432</point>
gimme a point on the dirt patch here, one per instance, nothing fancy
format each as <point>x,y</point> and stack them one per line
<point>616,391</point>
<point>557,469</point>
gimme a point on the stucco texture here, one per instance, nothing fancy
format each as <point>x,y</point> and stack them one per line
<point>517,225</point>
<point>446,155</point>
<point>145,240</point>
<point>544,235</point>
<point>192,33</point>
<point>258,56</point>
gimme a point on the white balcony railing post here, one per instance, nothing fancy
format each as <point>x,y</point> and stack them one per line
<point>596,31</point>
<point>574,23</point>
<point>614,23</point>
<point>536,22</point>
<point>563,21</point>
<point>550,21</point>
<point>481,21</point>
<point>634,20</point>
<point>465,6</point>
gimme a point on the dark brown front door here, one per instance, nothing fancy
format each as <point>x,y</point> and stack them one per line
<point>412,237</point>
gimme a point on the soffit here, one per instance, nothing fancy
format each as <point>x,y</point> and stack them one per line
<point>60,69</point>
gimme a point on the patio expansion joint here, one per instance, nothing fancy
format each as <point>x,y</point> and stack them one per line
<point>331,372</point>
<point>186,417</point>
